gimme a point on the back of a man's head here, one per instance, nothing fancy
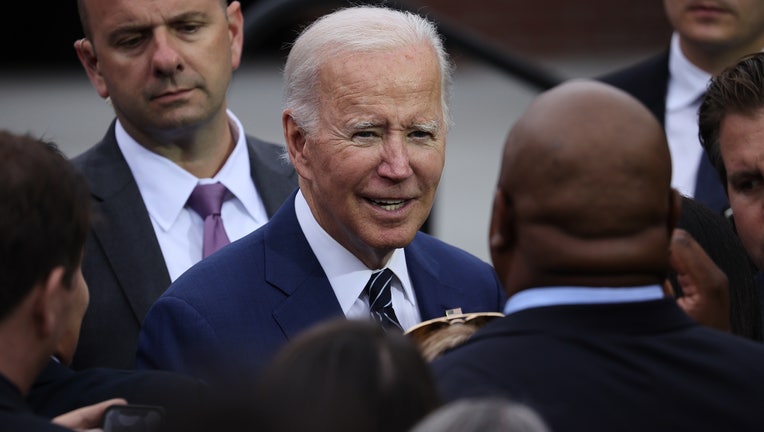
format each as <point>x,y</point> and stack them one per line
<point>584,195</point>
<point>44,216</point>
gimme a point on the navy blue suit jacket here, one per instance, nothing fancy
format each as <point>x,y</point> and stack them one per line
<point>648,82</point>
<point>642,366</point>
<point>238,306</point>
<point>123,264</point>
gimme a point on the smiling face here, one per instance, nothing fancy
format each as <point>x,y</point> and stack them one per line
<point>371,170</point>
<point>741,141</point>
<point>165,64</point>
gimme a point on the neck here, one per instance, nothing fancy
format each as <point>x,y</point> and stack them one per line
<point>200,149</point>
<point>713,59</point>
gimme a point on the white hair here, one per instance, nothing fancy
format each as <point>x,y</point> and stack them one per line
<point>354,29</point>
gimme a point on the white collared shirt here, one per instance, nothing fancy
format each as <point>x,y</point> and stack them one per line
<point>165,188</point>
<point>554,296</point>
<point>348,275</point>
<point>686,86</point>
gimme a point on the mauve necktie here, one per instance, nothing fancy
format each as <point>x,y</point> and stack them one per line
<point>207,200</point>
<point>380,299</point>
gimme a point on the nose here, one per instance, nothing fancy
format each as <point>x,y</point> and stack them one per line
<point>166,59</point>
<point>396,163</point>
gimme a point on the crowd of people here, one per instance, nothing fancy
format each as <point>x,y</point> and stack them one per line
<point>185,270</point>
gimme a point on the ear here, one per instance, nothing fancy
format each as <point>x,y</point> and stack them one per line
<point>235,32</point>
<point>501,237</point>
<point>296,140</point>
<point>89,60</point>
<point>47,305</point>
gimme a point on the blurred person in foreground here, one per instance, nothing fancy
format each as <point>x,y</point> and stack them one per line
<point>708,36</point>
<point>344,376</point>
<point>580,235</point>
<point>44,219</point>
<point>489,414</point>
<point>165,68</point>
<point>365,121</point>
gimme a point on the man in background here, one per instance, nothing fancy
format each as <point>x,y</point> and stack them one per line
<point>582,237</point>
<point>708,36</point>
<point>165,67</point>
<point>365,123</point>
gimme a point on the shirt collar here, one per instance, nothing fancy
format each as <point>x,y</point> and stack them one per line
<point>165,186</point>
<point>554,296</point>
<point>346,273</point>
<point>687,82</point>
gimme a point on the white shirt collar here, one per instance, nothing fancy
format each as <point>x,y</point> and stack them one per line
<point>346,273</point>
<point>687,82</point>
<point>553,296</point>
<point>165,186</point>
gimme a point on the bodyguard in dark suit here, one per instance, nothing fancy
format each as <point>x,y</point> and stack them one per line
<point>172,133</point>
<point>123,262</point>
<point>580,236</point>
<point>365,124</point>
<point>707,38</point>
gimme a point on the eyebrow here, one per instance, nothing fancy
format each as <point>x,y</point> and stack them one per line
<point>428,126</point>
<point>137,27</point>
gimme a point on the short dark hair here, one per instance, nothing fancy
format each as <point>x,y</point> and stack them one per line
<point>44,215</point>
<point>345,375</point>
<point>739,89</point>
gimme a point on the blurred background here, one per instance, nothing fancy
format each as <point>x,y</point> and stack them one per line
<point>505,51</point>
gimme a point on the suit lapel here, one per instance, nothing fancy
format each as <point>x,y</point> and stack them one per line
<point>434,296</point>
<point>292,268</point>
<point>141,272</point>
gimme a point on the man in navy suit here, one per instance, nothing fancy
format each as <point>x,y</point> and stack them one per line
<point>582,225</point>
<point>165,68</point>
<point>365,123</point>
<point>708,36</point>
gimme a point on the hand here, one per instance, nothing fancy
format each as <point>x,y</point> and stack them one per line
<point>704,284</point>
<point>87,418</point>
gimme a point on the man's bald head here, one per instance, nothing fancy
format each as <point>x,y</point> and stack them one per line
<point>584,191</point>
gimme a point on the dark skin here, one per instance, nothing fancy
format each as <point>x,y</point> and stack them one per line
<point>584,199</point>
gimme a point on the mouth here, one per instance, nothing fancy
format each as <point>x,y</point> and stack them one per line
<point>707,8</point>
<point>389,205</point>
<point>171,95</point>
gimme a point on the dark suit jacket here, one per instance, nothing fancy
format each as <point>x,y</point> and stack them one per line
<point>16,415</point>
<point>238,306</point>
<point>648,82</point>
<point>60,389</point>
<point>123,264</point>
<point>642,366</point>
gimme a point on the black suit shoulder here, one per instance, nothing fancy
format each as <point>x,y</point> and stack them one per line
<point>646,80</point>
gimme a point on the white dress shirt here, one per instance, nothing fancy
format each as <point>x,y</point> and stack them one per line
<point>348,275</point>
<point>686,86</point>
<point>165,188</point>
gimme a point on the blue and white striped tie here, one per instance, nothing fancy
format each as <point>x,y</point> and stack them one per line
<point>380,299</point>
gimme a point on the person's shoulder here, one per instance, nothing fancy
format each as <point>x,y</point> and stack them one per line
<point>428,244</point>
<point>28,422</point>
<point>264,148</point>
<point>235,265</point>
<point>643,70</point>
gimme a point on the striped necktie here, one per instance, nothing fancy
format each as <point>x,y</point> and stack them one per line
<point>380,299</point>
